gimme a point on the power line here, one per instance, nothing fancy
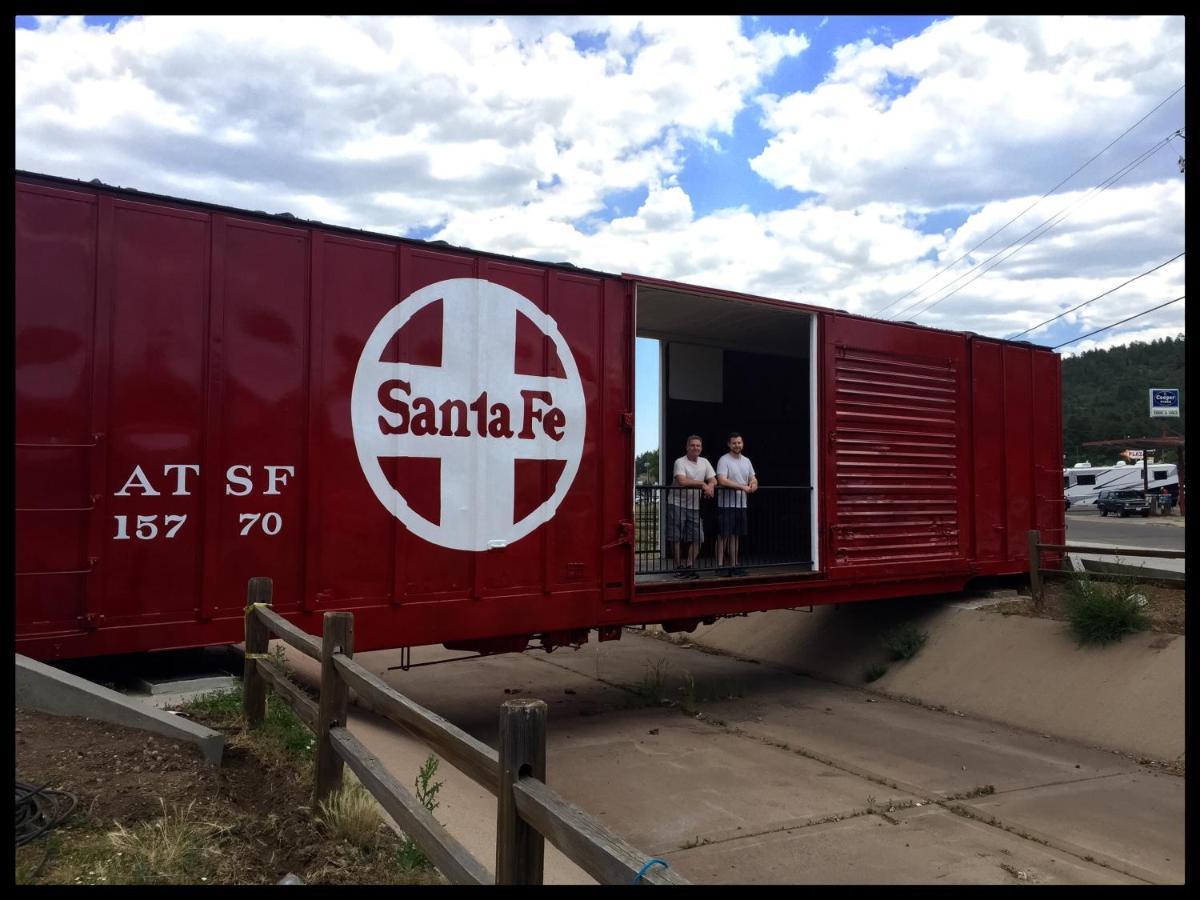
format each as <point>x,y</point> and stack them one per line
<point>1035,202</point>
<point>1122,322</point>
<point>1093,300</point>
<point>1034,233</point>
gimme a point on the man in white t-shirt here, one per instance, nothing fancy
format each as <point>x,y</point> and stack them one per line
<point>736,475</point>
<point>693,477</point>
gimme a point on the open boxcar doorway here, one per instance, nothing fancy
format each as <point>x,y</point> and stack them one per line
<point>728,364</point>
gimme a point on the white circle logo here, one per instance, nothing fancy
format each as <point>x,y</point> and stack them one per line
<point>470,410</point>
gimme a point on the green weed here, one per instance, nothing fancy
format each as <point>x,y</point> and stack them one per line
<point>278,660</point>
<point>283,734</point>
<point>904,642</point>
<point>410,855</point>
<point>654,680</point>
<point>874,672</point>
<point>1104,612</point>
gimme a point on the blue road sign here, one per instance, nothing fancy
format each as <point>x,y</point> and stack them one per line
<point>1164,402</point>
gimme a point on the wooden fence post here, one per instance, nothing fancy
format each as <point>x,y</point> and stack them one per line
<point>1035,564</point>
<point>337,636</point>
<point>520,849</point>
<point>254,686</point>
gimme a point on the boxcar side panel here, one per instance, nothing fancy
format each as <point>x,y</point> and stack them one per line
<point>1018,456</point>
<point>988,423</point>
<point>257,413</point>
<point>898,448</point>
<point>352,540</point>
<point>159,281</point>
<point>55,254</point>
<point>1046,409</point>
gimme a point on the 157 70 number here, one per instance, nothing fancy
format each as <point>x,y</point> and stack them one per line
<point>146,528</point>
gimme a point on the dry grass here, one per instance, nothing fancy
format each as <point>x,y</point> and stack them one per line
<point>167,850</point>
<point>351,814</point>
<point>248,822</point>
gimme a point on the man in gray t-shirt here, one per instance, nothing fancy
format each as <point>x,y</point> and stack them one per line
<point>735,474</point>
<point>692,478</point>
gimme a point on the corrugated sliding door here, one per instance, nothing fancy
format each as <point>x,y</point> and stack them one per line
<point>896,480</point>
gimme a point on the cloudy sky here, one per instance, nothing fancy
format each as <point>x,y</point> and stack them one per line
<point>864,163</point>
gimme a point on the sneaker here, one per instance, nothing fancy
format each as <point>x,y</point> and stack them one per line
<point>738,570</point>
<point>690,573</point>
<point>680,572</point>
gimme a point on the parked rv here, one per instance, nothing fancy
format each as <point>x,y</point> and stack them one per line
<point>1083,483</point>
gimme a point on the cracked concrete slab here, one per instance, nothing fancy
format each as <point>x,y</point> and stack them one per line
<point>1134,820</point>
<point>660,779</point>
<point>927,750</point>
<point>698,790</point>
<point>928,845</point>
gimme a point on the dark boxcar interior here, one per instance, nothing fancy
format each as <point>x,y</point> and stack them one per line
<point>726,366</point>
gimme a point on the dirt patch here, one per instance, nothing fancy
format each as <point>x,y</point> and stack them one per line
<point>254,812</point>
<point>1164,606</point>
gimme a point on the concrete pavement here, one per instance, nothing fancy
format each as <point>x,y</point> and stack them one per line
<point>774,777</point>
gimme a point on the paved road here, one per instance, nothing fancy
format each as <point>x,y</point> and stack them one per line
<point>1132,532</point>
<point>774,777</point>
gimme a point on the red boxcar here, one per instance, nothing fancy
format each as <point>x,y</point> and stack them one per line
<point>441,440</point>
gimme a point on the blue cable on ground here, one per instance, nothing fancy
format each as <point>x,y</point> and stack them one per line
<point>653,861</point>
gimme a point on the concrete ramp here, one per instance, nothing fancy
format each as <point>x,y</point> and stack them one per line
<point>51,690</point>
<point>1021,671</point>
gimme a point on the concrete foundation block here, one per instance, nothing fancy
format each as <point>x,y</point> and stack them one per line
<point>51,690</point>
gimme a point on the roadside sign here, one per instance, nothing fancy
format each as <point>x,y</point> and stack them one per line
<point>1164,402</point>
<point>1134,454</point>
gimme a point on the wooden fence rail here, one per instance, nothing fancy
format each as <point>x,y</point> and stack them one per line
<point>528,811</point>
<point>1035,558</point>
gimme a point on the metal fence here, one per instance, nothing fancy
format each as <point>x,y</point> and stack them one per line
<point>778,527</point>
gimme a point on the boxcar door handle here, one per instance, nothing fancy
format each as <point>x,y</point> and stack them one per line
<point>625,537</point>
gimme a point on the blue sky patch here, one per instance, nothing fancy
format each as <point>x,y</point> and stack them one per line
<point>896,86</point>
<point>30,23</point>
<point>423,232</point>
<point>720,179</point>
<point>590,41</point>
<point>619,204</point>
<point>938,222</point>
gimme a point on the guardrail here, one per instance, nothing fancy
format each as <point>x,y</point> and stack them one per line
<point>778,527</point>
<point>1035,558</point>
<point>528,812</point>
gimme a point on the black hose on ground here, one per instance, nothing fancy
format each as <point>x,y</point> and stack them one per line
<point>39,809</point>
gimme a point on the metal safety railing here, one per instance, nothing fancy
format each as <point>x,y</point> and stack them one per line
<point>667,519</point>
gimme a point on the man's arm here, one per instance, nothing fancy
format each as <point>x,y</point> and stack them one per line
<point>725,482</point>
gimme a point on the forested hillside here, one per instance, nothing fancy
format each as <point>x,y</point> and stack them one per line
<point>1105,396</point>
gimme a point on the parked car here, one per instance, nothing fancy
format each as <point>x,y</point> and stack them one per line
<point>1123,503</point>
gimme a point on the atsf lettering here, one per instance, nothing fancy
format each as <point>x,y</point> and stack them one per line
<point>458,418</point>
<point>240,481</point>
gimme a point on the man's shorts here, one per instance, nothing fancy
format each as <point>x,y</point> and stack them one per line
<point>684,525</point>
<point>731,520</point>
